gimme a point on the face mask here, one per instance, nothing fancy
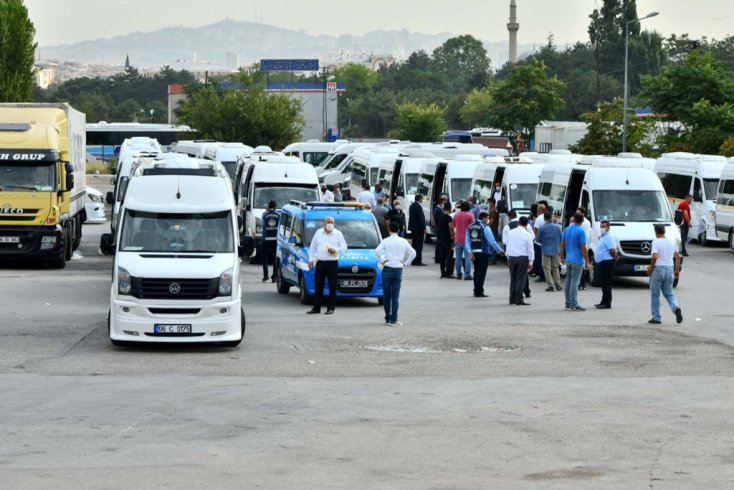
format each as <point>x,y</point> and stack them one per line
<point>604,231</point>
<point>397,206</point>
<point>329,227</point>
<point>497,188</point>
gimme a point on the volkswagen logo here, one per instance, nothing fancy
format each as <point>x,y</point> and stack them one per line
<point>174,288</point>
<point>646,247</point>
<point>355,269</point>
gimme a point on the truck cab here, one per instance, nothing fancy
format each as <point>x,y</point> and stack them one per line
<point>359,273</point>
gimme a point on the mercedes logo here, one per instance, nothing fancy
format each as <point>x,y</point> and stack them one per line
<point>355,269</point>
<point>174,288</point>
<point>646,247</point>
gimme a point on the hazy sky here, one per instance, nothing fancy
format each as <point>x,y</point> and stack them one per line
<point>66,21</point>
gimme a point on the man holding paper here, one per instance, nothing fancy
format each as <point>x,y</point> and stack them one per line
<point>324,251</point>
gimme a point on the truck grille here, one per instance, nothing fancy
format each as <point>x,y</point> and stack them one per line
<point>361,274</point>
<point>637,247</point>
<point>149,288</point>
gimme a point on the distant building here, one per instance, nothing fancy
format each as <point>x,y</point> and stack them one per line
<point>233,61</point>
<point>45,73</point>
<point>312,95</point>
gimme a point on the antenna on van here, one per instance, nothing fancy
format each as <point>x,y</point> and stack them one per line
<point>178,186</point>
<point>628,177</point>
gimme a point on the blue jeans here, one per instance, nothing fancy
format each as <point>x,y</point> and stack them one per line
<point>462,256</point>
<point>571,286</point>
<point>661,280</point>
<point>392,278</point>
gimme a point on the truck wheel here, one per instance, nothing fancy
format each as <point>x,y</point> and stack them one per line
<point>303,295</point>
<point>60,261</point>
<point>235,343</point>
<point>283,287</point>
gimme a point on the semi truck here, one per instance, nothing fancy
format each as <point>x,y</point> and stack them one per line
<point>42,181</point>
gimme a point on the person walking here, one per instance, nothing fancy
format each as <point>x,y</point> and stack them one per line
<point>511,225</point>
<point>269,242</point>
<point>396,215</point>
<point>574,255</point>
<point>366,197</point>
<point>684,211</point>
<point>338,196</point>
<point>549,237</point>
<point>478,242</point>
<point>461,222</point>
<point>394,253</point>
<point>494,225</point>
<point>326,245</point>
<point>663,270</point>
<point>606,255</point>
<point>445,241</point>
<point>520,255</point>
<point>586,225</point>
<point>417,225</point>
<point>437,212</point>
<point>380,212</point>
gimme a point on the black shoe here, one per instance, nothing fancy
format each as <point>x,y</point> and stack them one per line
<point>602,307</point>
<point>527,295</point>
<point>654,321</point>
<point>678,315</point>
<point>273,279</point>
<point>313,311</point>
<point>550,289</point>
<point>522,303</point>
<point>481,295</point>
<point>512,302</point>
<point>684,254</point>
<point>469,278</point>
<point>329,312</point>
<point>559,288</point>
<point>420,264</point>
<point>265,279</point>
<point>581,288</point>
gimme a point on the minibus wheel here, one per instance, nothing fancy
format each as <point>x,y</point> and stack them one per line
<point>303,295</point>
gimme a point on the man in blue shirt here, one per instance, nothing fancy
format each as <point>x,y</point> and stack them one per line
<point>606,254</point>
<point>479,241</point>
<point>574,255</point>
<point>549,237</point>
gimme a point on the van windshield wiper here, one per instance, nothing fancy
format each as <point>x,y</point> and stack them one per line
<point>15,186</point>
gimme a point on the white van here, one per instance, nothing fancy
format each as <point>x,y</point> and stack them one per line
<point>313,152</point>
<point>554,156</point>
<point>227,154</point>
<point>725,206</point>
<point>446,176</point>
<point>333,162</point>
<point>271,178</point>
<point>194,148</point>
<point>366,166</point>
<point>176,274</point>
<point>131,146</point>
<point>631,199</point>
<point>698,175</point>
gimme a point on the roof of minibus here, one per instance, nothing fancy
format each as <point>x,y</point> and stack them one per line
<point>605,178</point>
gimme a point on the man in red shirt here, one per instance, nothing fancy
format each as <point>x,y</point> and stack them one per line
<point>461,222</point>
<point>685,208</point>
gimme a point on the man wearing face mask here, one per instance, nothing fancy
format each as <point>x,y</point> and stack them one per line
<point>606,254</point>
<point>497,194</point>
<point>396,215</point>
<point>326,245</point>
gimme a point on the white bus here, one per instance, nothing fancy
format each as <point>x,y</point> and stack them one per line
<point>725,206</point>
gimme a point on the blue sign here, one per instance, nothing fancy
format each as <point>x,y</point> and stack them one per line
<point>289,65</point>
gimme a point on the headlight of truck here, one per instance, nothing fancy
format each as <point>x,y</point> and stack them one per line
<point>48,242</point>
<point>124,283</point>
<point>225,282</point>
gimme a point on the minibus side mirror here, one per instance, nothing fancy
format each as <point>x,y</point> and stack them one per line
<point>110,197</point>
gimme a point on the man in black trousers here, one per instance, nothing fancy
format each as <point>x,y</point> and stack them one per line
<point>520,255</point>
<point>417,226</point>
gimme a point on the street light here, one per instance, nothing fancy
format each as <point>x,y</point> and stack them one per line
<point>626,62</point>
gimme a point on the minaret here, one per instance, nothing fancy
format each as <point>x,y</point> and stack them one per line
<point>127,61</point>
<point>512,28</point>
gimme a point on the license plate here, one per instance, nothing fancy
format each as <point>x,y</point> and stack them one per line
<point>640,268</point>
<point>9,239</point>
<point>172,328</point>
<point>353,283</point>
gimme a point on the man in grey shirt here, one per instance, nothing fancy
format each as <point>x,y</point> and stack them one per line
<point>380,212</point>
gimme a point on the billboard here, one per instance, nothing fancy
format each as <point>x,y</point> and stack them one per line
<point>289,65</point>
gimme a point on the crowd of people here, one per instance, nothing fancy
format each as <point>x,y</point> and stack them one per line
<point>468,240</point>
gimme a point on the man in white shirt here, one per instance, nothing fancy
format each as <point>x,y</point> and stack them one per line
<point>326,245</point>
<point>366,197</point>
<point>394,253</point>
<point>663,269</point>
<point>520,255</point>
<point>326,194</point>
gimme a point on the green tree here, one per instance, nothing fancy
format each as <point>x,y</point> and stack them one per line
<point>476,108</point>
<point>605,131</point>
<point>418,122</point>
<point>525,98</point>
<point>581,94</point>
<point>17,52</point>
<point>248,114</point>
<point>372,115</point>
<point>463,60</point>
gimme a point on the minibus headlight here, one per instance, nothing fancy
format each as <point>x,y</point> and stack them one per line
<point>124,282</point>
<point>225,282</point>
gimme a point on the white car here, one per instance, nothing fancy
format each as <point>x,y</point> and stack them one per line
<point>94,205</point>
